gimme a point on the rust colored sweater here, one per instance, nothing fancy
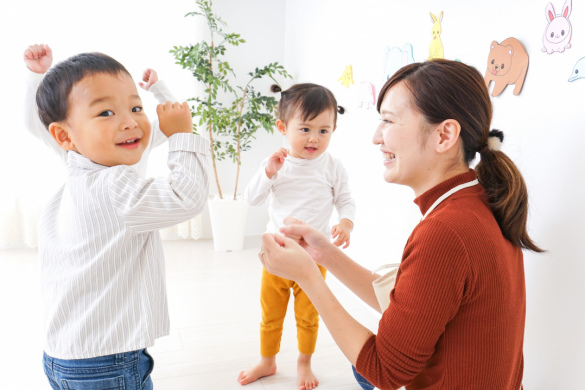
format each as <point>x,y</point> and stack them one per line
<point>457,311</point>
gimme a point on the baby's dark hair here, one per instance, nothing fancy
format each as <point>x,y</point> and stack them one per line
<point>53,92</point>
<point>310,99</point>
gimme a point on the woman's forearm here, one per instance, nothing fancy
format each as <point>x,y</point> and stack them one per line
<point>357,278</point>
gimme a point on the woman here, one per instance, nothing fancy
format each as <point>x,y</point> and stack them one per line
<point>457,310</point>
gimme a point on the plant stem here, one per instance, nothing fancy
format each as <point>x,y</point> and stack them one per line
<point>239,140</point>
<point>211,124</point>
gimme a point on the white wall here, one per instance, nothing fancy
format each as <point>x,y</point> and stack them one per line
<point>139,34</point>
<point>316,40</point>
<point>544,134</point>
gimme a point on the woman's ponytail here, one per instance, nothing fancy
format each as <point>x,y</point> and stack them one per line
<point>506,191</point>
<point>444,89</point>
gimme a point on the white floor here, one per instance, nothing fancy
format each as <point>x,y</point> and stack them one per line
<point>215,315</point>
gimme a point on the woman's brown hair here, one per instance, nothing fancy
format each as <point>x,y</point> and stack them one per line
<point>444,89</point>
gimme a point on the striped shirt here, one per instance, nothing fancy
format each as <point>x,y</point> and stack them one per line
<point>102,262</point>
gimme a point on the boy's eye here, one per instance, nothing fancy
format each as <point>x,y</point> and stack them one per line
<point>106,113</point>
<point>137,109</point>
<point>323,131</point>
<point>305,130</point>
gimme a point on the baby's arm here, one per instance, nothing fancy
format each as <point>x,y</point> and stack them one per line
<point>345,206</point>
<point>153,204</point>
<point>341,232</point>
<point>259,186</point>
<point>38,59</point>
<point>158,88</point>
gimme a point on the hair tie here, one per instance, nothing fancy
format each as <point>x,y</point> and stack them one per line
<point>275,88</point>
<point>494,142</point>
<point>340,109</point>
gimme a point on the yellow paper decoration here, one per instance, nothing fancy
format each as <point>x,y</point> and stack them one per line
<point>347,76</point>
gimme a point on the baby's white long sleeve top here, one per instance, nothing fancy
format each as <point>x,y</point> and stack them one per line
<point>306,189</point>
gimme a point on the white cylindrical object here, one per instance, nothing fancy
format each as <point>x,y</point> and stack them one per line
<point>228,223</point>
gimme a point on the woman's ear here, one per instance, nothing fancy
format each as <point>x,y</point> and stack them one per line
<point>280,126</point>
<point>61,134</point>
<point>447,135</point>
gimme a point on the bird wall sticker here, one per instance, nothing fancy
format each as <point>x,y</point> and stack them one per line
<point>578,70</point>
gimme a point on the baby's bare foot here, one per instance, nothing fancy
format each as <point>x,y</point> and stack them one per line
<point>266,367</point>
<point>307,380</point>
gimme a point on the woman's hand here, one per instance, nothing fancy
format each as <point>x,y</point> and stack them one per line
<point>282,256</point>
<point>312,240</point>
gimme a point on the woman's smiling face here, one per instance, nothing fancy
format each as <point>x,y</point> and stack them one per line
<point>402,140</point>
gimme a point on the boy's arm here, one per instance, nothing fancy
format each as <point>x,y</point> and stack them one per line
<point>152,204</point>
<point>162,93</point>
<point>259,186</point>
<point>148,205</point>
<point>38,59</point>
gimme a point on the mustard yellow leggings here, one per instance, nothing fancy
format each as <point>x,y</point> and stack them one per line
<point>274,295</point>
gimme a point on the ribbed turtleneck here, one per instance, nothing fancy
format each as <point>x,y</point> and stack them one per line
<point>456,316</point>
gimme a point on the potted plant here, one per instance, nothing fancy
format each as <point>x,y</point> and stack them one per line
<point>230,114</point>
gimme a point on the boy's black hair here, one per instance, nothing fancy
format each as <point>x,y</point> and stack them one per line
<point>53,92</point>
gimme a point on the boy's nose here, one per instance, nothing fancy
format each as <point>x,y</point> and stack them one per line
<point>129,123</point>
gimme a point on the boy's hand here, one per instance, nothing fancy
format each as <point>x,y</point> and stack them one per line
<point>174,118</point>
<point>38,58</point>
<point>341,232</point>
<point>149,77</point>
<point>275,162</point>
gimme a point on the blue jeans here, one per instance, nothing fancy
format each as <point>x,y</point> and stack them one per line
<point>363,382</point>
<point>121,371</point>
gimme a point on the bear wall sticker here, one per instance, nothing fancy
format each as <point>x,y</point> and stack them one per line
<point>558,32</point>
<point>436,46</point>
<point>395,58</point>
<point>507,64</point>
<point>578,70</point>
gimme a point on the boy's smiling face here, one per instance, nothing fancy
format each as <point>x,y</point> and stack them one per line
<point>106,122</point>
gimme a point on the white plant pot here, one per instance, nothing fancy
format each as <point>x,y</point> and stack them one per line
<point>228,223</point>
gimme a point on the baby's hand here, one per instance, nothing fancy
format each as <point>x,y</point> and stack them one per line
<point>149,77</point>
<point>275,162</point>
<point>341,232</point>
<point>174,118</point>
<point>38,58</point>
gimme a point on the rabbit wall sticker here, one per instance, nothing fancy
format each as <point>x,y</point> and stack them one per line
<point>436,46</point>
<point>558,32</point>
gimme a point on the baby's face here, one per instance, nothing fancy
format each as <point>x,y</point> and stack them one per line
<point>106,121</point>
<point>310,138</point>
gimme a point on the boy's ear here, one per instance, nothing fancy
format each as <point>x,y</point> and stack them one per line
<point>61,134</point>
<point>447,135</point>
<point>280,126</point>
